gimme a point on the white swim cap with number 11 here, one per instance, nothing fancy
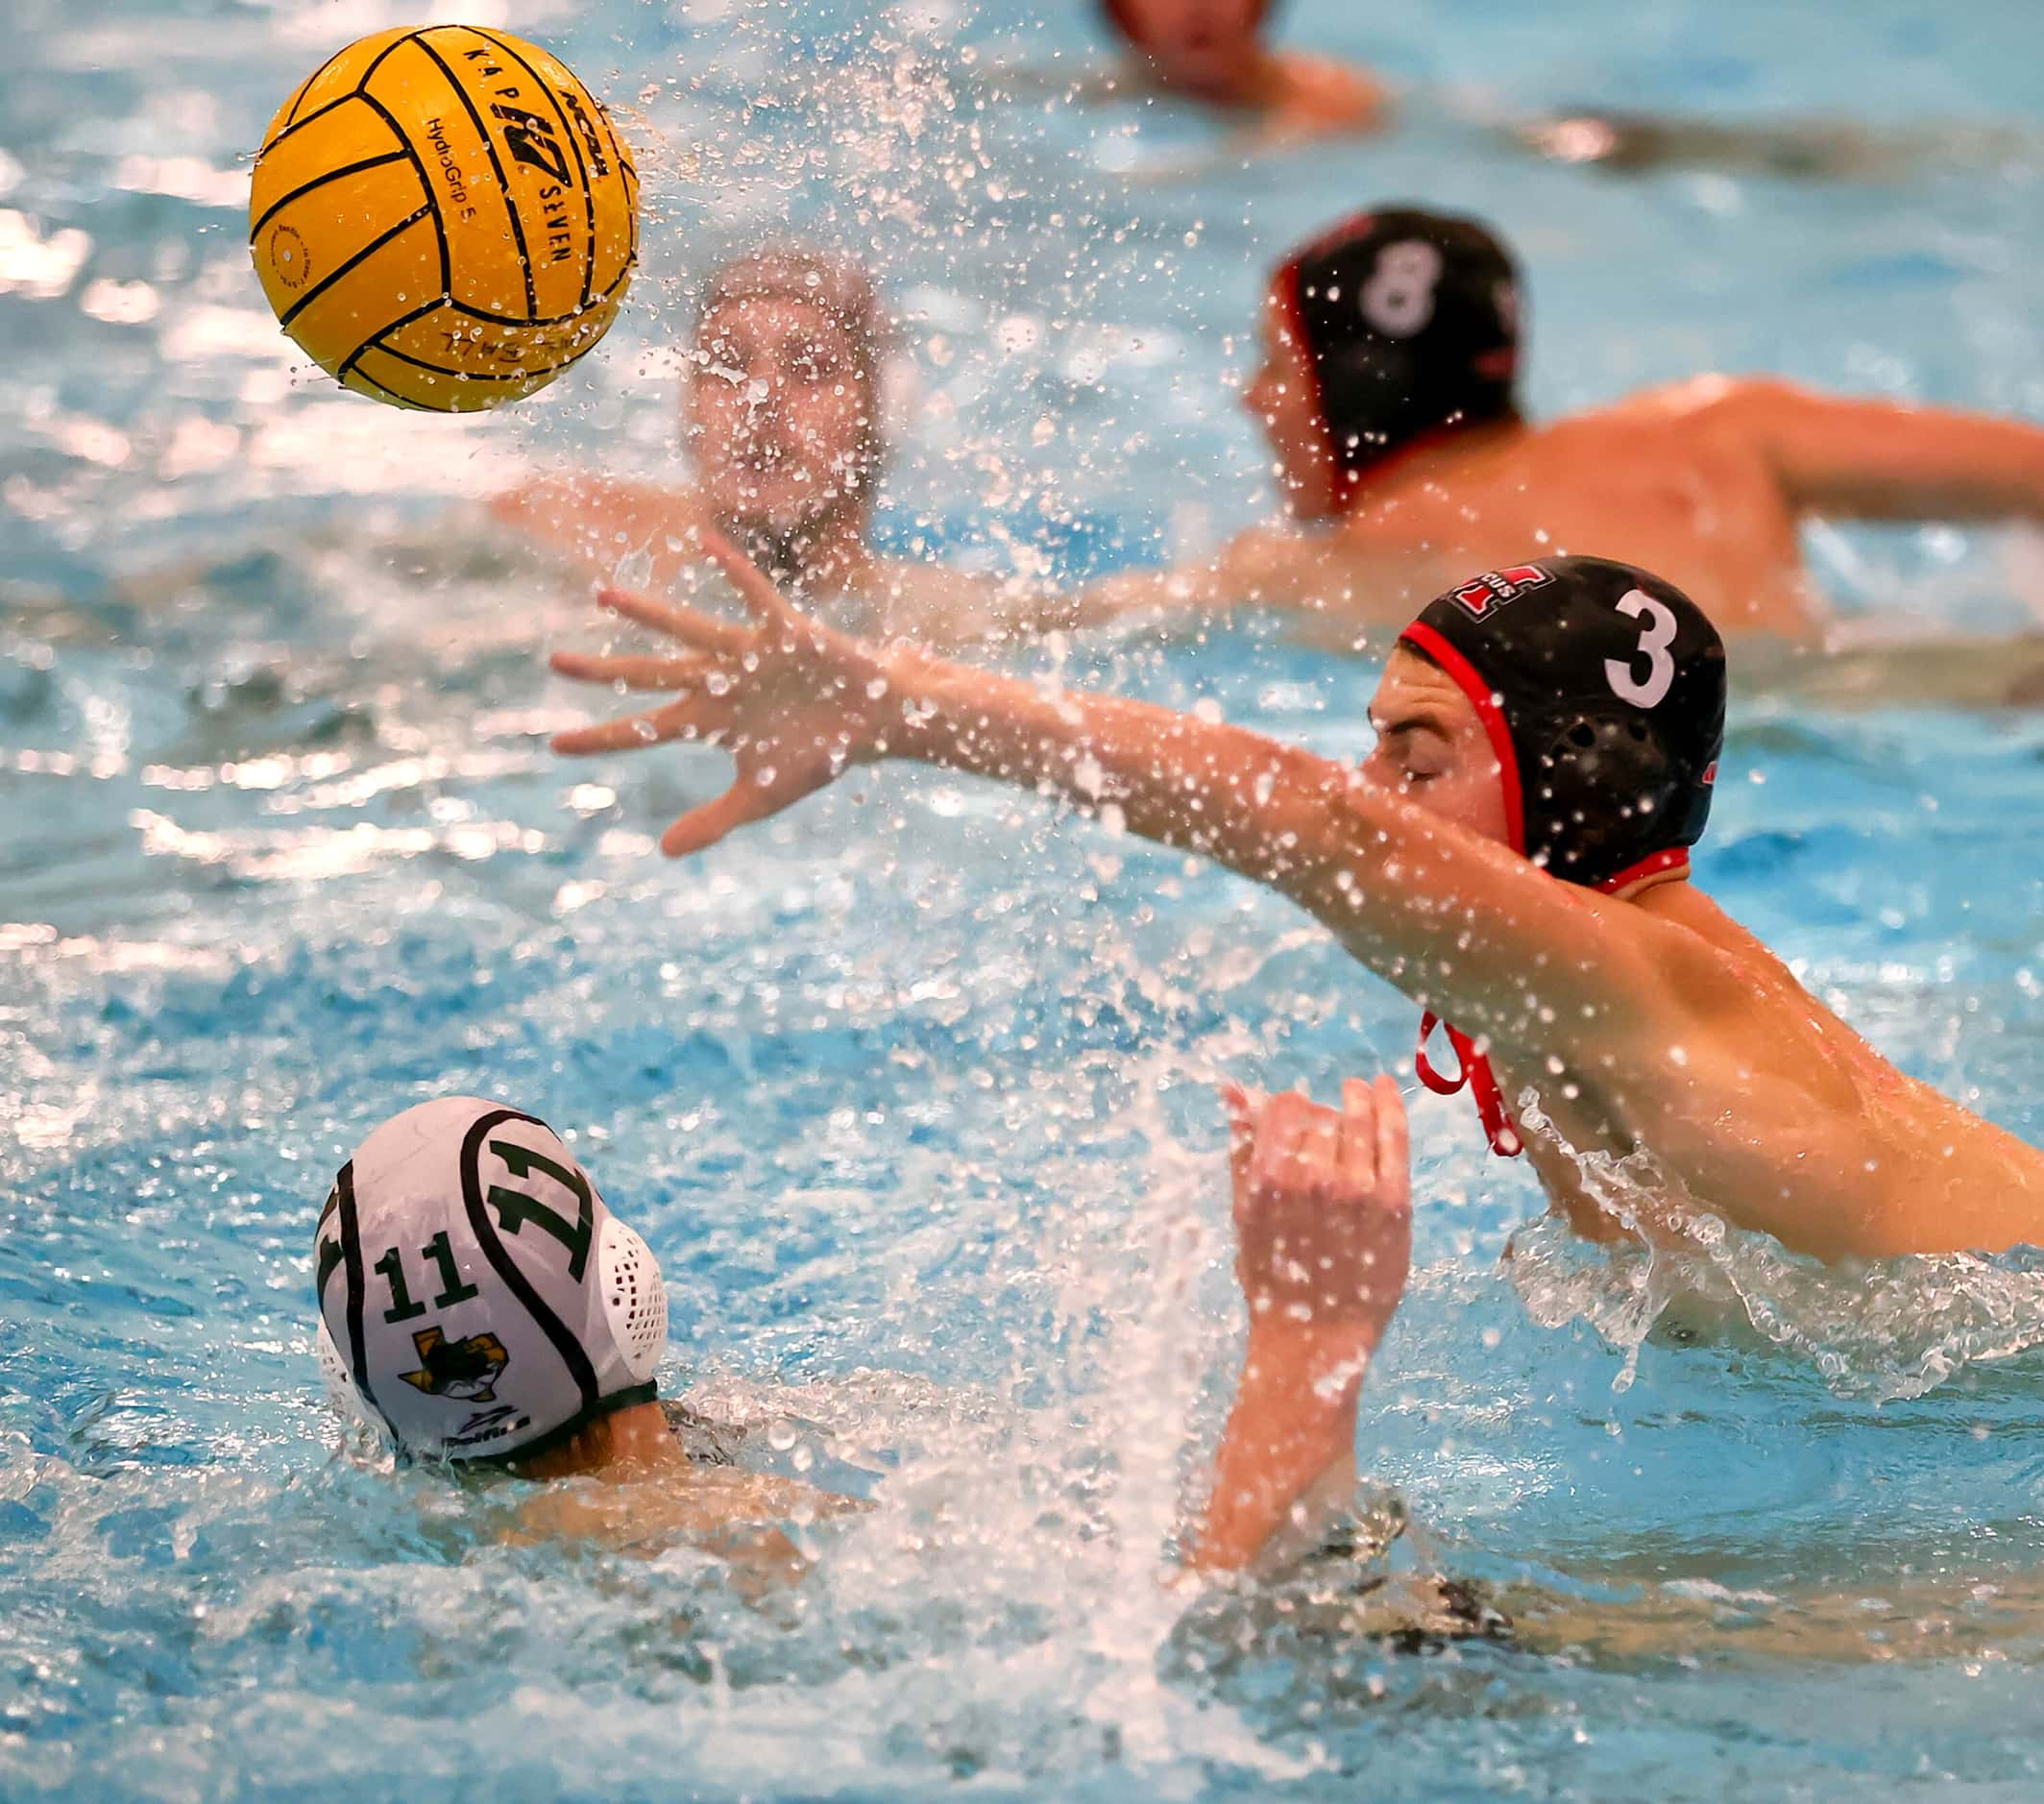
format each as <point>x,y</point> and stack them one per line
<point>477,1298</point>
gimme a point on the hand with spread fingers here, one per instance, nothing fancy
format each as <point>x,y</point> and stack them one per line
<point>793,702</point>
<point>1323,1208</point>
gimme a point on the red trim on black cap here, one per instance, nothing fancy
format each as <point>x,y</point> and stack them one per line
<point>1484,699</point>
<point>1475,1072</point>
<point>1291,291</point>
<point>1675,857</point>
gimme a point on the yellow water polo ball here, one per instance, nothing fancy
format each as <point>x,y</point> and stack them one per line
<point>444,217</point>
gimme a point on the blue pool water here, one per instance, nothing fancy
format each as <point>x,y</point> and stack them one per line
<point>911,1091</point>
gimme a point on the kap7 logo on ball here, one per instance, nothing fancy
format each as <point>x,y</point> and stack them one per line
<point>1495,587</point>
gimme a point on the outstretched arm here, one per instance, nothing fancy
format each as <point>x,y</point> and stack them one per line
<point>598,521</point>
<point>1461,923</point>
<point>1874,460</point>
<point>1323,1243</point>
<point>1267,567</point>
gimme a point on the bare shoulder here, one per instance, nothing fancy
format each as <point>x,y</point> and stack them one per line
<point>1669,403</point>
<point>1330,93</point>
<point>1680,957</point>
<point>1737,403</point>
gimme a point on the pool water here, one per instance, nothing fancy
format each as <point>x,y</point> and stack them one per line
<point>912,1090</point>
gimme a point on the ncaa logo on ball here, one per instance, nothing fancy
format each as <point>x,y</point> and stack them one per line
<point>288,252</point>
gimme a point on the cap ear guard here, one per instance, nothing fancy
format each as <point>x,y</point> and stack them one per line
<point>1604,781</point>
<point>635,1297</point>
<point>342,1396</point>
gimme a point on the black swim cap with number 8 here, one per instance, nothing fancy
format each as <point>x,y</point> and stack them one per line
<point>1410,321</point>
<point>1602,689</point>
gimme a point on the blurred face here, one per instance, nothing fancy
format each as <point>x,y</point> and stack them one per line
<point>1203,47</point>
<point>1432,748</point>
<point>778,412</point>
<point>1284,398</point>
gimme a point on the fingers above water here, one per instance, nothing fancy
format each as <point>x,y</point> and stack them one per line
<point>1359,1133</point>
<point>1394,1141</point>
<point>762,601</point>
<point>634,672</point>
<point>746,801</point>
<point>693,717</point>
<point>705,632</point>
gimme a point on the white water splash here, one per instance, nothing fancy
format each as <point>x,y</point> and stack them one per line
<point>1878,1329</point>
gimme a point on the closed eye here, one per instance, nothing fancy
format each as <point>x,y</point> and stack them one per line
<point>1417,749</point>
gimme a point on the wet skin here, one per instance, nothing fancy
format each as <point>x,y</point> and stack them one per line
<point>1710,479</point>
<point>1647,1022</point>
<point>779,414</point>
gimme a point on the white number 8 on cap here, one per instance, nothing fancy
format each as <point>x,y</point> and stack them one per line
<point>1398,298</point>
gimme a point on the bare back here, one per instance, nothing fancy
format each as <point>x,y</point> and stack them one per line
<point>1668,480</point>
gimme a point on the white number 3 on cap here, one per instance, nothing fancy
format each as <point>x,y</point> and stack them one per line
<point>1654,642</point>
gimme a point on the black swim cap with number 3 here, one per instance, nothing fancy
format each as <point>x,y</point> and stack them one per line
<point>1411,322</point>
<point>1602,689</point>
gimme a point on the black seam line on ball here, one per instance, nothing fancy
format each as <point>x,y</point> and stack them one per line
<point>574,143</point>
<point>425,181</point>
<point>313,117</point>
<point>497,163</point>
<point>470,375</point>
<point>506,319</point>
<point>375,339</point>
<point>631,174</point>
<point>270,213</point>
<point>396,399</point>
<point>291,119</point>
<point>375,61</point>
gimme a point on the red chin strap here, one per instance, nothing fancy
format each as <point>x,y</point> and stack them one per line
<point>1482,1083</point>
<point>1475,1073</point>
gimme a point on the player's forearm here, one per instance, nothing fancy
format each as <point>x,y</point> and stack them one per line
<point>1288,1454</point>
<point>1272,813</point>
<point>1430,908</point>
